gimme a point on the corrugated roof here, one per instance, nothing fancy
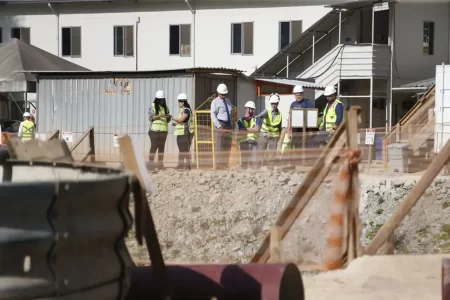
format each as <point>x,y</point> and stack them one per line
<point>209,70</point>
<point>291,82</point>
<point>426,84</point>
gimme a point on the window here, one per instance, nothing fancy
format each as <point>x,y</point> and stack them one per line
<point>123,40</point>
<point>289,31</point>
<point>242,38</point>
<point>71,41</point>
<point>1,35</point>
<point>180,40</point>
<point>21,33</point>
<point>428,38</point>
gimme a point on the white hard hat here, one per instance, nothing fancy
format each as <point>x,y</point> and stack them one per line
<point>182,96</point>
<point>222,89</point>
<point>274,98</point>
<point>27,114</point>
<point>329,90</point>
<point>160,95</point>
<point>298,89</point>
<point>250,104</point>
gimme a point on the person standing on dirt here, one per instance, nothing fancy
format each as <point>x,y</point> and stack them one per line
<point>248,136</point>
<point>221,115</point>
<point>159,117</point>
<point>184,131</point>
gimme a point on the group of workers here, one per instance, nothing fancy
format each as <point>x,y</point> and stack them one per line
<point>255,131</point>
<point>263,130</point>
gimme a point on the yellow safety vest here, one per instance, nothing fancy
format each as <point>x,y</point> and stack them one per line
<point>329,116</point>
<point>160,124</point>
<point>179,128</point>
<point>251,136</point>
<point>27,130</point>
<point>273,128</point>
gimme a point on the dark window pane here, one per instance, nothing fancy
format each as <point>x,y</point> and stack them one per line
<point>248,38</point>
<point>174,39</point>
<point>236,38</point>
<point>65,42</point>
<point>129,40</point>
<point>15,33</point>
<point>1,35</point>
<point>285,34</point>
<point>76,41</point>
<point>118,40</point>
<point>25,35</point>
<point>185,40</point>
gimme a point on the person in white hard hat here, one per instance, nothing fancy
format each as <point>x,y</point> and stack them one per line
<point>333,113</point>
<point>248,136</point>
<point>159,117</point>
<point>221,115</point>
<point>26,128</point>
<point>295,134</point>
<point>270,128</point>
<point>184,131</point>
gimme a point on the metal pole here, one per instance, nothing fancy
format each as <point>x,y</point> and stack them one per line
<point>373,24</point>
<point>392,9</point>
<point>371,101</point>
<point>287,65</point>
<point>340,29</point>
<point>313,46</point>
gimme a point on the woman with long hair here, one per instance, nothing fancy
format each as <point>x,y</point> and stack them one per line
<point>159,117</point>
<point>184,131</point>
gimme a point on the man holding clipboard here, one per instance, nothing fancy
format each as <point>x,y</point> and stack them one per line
<point>300,102</point>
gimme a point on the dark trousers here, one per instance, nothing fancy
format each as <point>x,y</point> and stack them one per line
<point>184,145</point>
<point>223,142</point>
<point>297,138</point>
<point>158,143</point>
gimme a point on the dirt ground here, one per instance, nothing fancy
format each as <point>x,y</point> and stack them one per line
<point>409,277</point>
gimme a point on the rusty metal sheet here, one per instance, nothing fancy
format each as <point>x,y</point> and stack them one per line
<point>249,281</point>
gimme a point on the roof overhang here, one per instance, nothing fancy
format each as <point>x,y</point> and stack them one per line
<point>290,82</point>
<point>354,5</point>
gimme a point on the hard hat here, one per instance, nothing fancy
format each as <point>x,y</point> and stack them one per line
<point>182,96</point>
<point>329,90</point>
<point>27,114</point>
<point>274,98</point>
<point>250,104</point>
<point>222,89</point>
<point>160,95</point>
<point>298,89</point>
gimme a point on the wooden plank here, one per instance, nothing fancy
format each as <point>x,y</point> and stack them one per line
<point>275,245</point>
<point>305,191</point>
<point>411,199</point>
<point>38,150</point>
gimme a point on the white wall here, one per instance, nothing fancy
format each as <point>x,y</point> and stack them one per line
<point>412,64</point>
<point>212,36</point>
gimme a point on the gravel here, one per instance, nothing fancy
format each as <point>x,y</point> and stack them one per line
<point>222,216</point>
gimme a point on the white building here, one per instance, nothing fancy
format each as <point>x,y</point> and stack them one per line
<point>160,35</point>
<point>368,50</point>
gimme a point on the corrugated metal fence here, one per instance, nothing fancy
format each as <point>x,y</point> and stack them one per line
<point>112,106</point>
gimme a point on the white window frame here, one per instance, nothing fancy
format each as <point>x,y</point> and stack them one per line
<point>71,43</point>
<point>180,54</point>
<point>432,38</point>
<point>290,31</point>
<point>123,42</point>
<point>20,28</point>
<point>242,38</point>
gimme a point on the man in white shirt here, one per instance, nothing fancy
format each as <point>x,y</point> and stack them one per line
<point>221,115</point>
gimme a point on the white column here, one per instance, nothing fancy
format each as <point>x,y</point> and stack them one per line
<point>287,65</point>
<point>373,24</point>
<point>340,20</point>
<point>313,46</point>
<point>371,102</point>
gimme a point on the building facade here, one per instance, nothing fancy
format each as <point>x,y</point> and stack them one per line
<point>160,35</point>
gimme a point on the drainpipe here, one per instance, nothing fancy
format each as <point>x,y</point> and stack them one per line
<point>138,20</point>
<point>193,31</point>
<point>57,24</point>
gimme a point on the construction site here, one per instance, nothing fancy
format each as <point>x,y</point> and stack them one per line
<point>362,214</point>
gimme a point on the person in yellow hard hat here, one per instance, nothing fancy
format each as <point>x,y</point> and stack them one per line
<point>184,131</point>
<point>248,136</point>
<point>26,128</point>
